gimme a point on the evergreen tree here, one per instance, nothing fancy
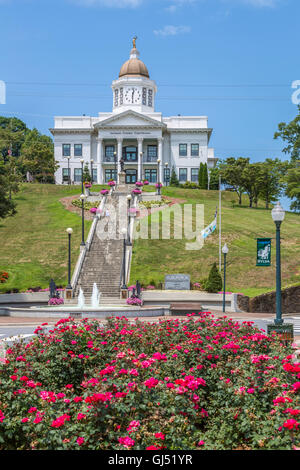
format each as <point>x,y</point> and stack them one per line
<point>86,174</point>
<point>205,177</point>
<point>200,175</point>
<point>214,282</point>
<point>174,180</point>
<point>214,179</point>
<point>7,206</point>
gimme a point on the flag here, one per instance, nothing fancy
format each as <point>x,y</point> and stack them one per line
<point>211,227</point>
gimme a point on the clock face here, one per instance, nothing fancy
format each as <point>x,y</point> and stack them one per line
<point>132,95</point>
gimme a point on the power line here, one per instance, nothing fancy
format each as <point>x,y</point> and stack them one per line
<point>158,98</point>
<point>186,85</point>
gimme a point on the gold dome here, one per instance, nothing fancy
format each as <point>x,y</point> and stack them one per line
<point>134,66</point>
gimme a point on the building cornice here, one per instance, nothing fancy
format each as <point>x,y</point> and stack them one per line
<point>70,131</point>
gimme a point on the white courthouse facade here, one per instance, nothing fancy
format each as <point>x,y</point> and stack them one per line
<point>150,144</point>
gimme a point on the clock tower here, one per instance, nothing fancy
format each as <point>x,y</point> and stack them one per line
<point>134,89</point>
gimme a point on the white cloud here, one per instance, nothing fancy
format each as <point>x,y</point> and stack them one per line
<point>255,3</point>
<point>171,30</point>
<point>109,3</point>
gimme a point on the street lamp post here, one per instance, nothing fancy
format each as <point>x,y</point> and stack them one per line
<point>82,197</point>
<point>92,162</point>
<point>69,232</point>
<point>124,233</point>
<point>224,251</point>
<point>115,160</point>
<point>82,162</point>
<point>129,197</point>
<point>69,179</point>
<point>278,215</point>
<point>158,182</point>
<point>166,173</point>
<point>285,330</point>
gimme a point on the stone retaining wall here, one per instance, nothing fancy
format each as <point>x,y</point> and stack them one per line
<point>266,303</point>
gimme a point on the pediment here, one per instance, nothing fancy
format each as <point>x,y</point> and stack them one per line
<point>129,119</point>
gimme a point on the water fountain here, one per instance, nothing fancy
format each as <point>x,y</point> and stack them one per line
<point>95,299</point>
<point>81,299</point>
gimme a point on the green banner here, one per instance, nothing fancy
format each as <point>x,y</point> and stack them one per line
<point>263,257</point>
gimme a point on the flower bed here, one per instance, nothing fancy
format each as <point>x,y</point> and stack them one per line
<point>197,383</point>
<point>55,301</point>
<point>134,301</point>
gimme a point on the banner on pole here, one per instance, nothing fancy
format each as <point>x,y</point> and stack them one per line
<point>263,257</point>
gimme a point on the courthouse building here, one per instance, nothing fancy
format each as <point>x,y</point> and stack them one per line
<point>149,143</point>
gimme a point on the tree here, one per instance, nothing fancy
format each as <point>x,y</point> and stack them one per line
<point>200,175</point>
<point>290,133</point>
<point>214,282</point>
<point>7,206</point>
<point>214,179</point>
<point>271,181</point>
<point>252,184</point>
<point>231,172</point>
<point>293,186</point>
<point>174,180</point>
<point>12,175</point>
<point>37,157</point>
<point>86,174</point>
<point>12,135</point>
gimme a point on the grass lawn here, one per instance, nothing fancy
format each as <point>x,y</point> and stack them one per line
<point>34,242</point>
<point>152,259</point>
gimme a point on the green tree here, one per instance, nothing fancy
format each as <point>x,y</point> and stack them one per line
<point>12,135</point>
<point>7,206</point>
<point>214,179</point>
<point>231,171</point>
<point>293,186</point>
<point>200,175</point>
<point>251,182</point>
<point>214,282</point>
<point>86,174</point>
<point>270,177</point>
<point>174,180</point>
<point>290,133</point>
<point>37,157</point>
<point>205,177</point>
<point>12,175</point>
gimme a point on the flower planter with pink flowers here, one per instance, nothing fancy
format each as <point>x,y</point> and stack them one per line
<point>136,192</point>
<point>104,192</point>
<point>111,184</point>
<point>139,184</point>
<point>146,182</point>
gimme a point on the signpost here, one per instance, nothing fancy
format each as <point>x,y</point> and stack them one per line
<point>263,257</point>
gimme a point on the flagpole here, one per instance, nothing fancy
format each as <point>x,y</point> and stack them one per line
<point>220,225</point>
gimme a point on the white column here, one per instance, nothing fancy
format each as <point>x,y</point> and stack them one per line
<point>160,157</point>
<point>140,159</point>
<point>99,160</point>
<point>119,155</point>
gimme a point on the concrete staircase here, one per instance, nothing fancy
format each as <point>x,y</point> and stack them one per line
<point>103,261</point>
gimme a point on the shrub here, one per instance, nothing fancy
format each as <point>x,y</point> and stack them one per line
<point>214,282</point>
<point>200,382</point>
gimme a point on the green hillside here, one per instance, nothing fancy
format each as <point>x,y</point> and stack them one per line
<point>34,243</point>
<point>240,228</point>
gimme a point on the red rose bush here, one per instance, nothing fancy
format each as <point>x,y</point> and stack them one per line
<point>195,383</point>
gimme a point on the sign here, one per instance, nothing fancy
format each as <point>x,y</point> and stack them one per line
<point>263,252</point>
<point>177,282</point>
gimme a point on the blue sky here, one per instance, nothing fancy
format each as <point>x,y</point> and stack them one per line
<point>232,60</point>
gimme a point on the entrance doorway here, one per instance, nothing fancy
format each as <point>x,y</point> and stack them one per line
<point>131,176</point>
